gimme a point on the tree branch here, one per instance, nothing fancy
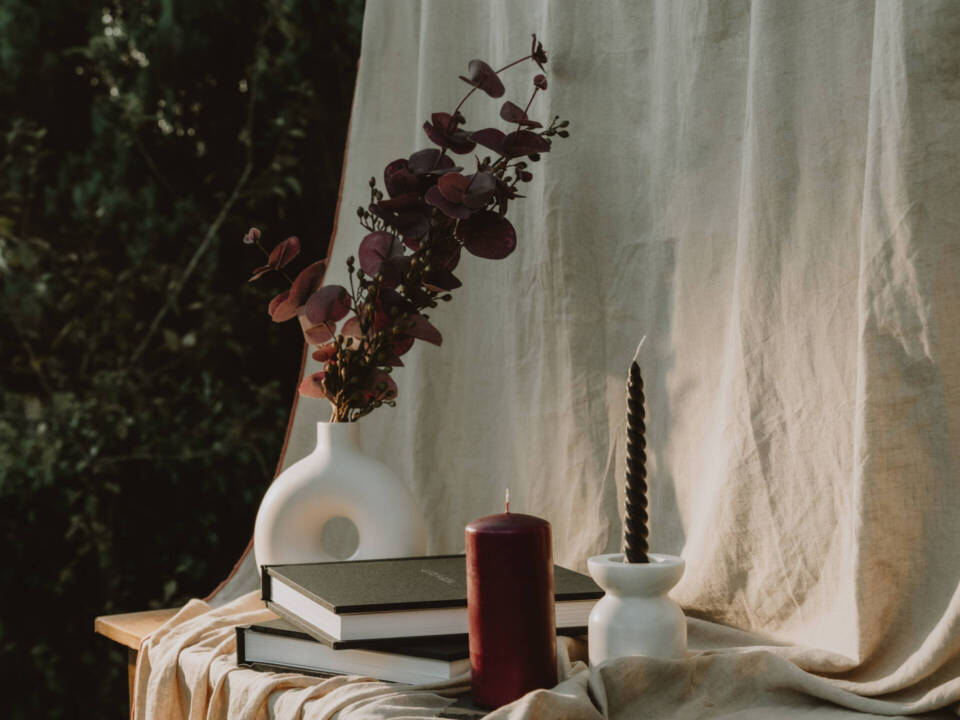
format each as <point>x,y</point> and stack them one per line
<point>192,265</point>
<point>207,242</point>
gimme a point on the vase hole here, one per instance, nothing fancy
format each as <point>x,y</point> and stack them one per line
<point>340,538</point>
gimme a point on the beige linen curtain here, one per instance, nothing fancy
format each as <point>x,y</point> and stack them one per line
<point>770,191</point>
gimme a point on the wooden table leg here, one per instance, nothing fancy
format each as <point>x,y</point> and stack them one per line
<point>129,629</point>
<point>131,674</point>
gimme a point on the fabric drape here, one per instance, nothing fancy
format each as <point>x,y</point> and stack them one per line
<point>770,192</point>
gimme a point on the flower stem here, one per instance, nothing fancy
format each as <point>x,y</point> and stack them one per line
<point>443,150</point>
<point>530,101</point>
<point>463,100</point>
<point>515,62</point>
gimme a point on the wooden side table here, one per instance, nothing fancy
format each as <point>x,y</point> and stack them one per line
<point>129,629</point>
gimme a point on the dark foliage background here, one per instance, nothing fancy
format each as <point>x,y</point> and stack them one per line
<point>144,389</point>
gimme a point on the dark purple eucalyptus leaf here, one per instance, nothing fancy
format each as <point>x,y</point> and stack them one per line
<point>458,195</point>
<point>511,112</point>
<point>313,386</point>
<point>260,272</point>
<point>413,223</point>
<point>419,327</point>
<point>457,142</point>
<point>418,296</point>
<point>488,235</point>
<point>390,391</point>
<point>440,281</point>
<point>446,254</point>
<point>482,76</point>
<point>281,309</point>
<point>328,304</point>
<point>402,345</point>
<point>319,334</point>
<point>381,212</point>
<point>390,305</point>
<point>324,352</point>
<point>375,248</point>
<point>307,282</point>
<point>399,180</point>
<point>538,53</point>
<point>436,198</point>
<point>284,252</point>
<point>394,269</point>
<point>524,142</point>
<point>435,135</point>
<point>516,114</point>
<point>407,201</point>
<point>540,81</point>
<point>432,162</point>
<point>443,130</point>
<point>351,329</point>
<point>490,138</point>
<point>480,190</point>
<point>453,186</point>
<point>381,387</point>
<point>443,122</point>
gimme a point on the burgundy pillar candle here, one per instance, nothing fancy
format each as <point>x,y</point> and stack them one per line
<point>513,640</point>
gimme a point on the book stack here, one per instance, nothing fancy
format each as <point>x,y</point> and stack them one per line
<point>401,620</point>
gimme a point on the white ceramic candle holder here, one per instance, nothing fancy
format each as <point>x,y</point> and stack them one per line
<point>635,616</point>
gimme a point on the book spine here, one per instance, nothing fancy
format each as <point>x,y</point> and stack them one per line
<point>241,644</point>
<point>265,587</point>
<point>305,627</point>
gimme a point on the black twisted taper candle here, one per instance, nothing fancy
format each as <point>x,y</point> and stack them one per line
<point>635,518</point>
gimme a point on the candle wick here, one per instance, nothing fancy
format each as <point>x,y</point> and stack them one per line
<point>637,353</point>
<point>508,500</point>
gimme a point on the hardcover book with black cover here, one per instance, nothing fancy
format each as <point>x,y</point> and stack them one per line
<point>279,646</point>
<point>396,598</point>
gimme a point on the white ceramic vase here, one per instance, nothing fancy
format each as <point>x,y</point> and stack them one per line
<point>337,481</point>
<point>635,616</point>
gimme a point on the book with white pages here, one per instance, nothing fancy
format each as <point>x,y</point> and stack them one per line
<point>280,647</point>
<point>348,602</point>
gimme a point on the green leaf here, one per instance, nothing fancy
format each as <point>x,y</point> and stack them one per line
<point>171,340</point>
<point>294,185</point>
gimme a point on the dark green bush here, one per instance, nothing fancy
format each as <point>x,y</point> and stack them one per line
<point>144,390</point>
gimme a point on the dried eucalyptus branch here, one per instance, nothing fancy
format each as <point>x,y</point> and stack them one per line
<point>414,240</point>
